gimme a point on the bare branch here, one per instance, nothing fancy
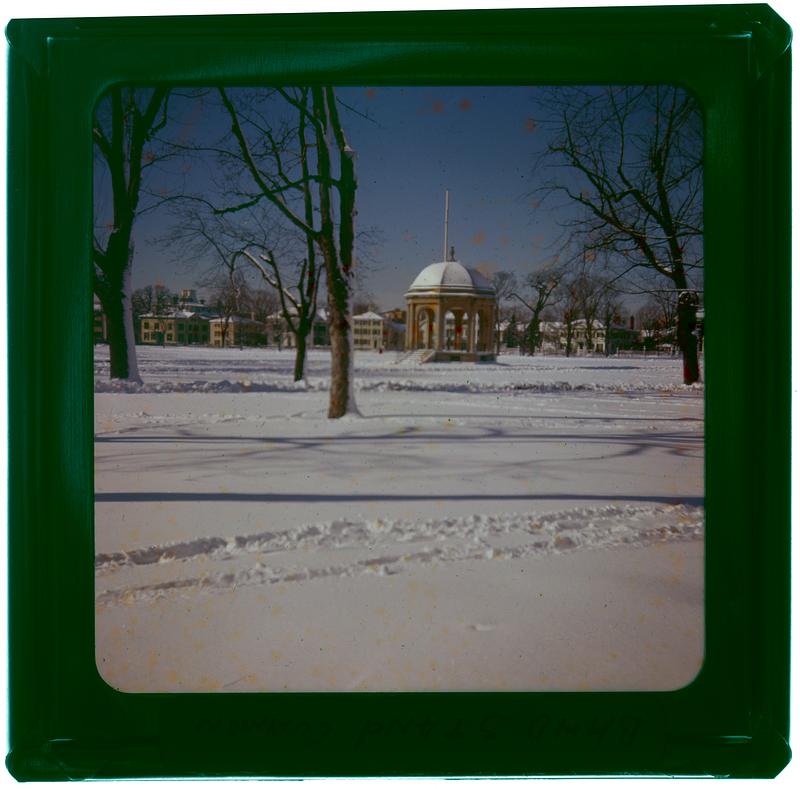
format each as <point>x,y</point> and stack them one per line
<point>266,188</point>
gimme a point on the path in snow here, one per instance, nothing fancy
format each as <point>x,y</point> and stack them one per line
<point>386,547</point>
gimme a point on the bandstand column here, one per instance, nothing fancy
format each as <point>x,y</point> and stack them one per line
<point>484,335</point>
<point>439,327</point>
<point>458,328</point>
<point>430,326</point>
<point>471,330</point>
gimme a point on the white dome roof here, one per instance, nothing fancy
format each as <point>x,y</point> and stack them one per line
<point>452,278</point>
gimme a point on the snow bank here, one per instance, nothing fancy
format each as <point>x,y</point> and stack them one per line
<point>408,385</point>
<point>167,370</point>
<point>116,386</point>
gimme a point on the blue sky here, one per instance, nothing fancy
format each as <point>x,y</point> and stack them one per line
<point>412,143</point>
<point>478,142</point>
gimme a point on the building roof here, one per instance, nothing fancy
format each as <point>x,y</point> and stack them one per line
<point>320,315</point>
<point>236,319</point>
<point>450,277</point>
<point>175,314</point>
<point>368,316</point>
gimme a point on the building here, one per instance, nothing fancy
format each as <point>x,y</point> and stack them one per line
<point>368,329</point>
<point>396,315</point>
<point>449,291</point>
<point>182,327</point>
<point>195,305</point>
<point>236,331</point>
<point>585,341</point>
<point>276,332</point>
<point>553,336</point>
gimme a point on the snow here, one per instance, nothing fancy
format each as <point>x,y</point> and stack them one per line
<point>526,525</point>
<point>204,369</point>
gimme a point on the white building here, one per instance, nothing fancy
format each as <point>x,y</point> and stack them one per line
<point>554,337</point>
<point>368,332</point>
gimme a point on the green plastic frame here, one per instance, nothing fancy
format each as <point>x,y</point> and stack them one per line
<point>65,722</point>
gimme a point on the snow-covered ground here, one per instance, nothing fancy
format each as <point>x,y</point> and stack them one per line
<point>531,524</point>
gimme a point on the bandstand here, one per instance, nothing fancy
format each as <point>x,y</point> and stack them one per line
<point>450,310</point>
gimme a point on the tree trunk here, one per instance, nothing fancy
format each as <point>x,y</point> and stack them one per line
<point>687,341</point>
<point>300,354</point>
<point>116,302</point>
<point>691,364</point>
<point>117,347</point>
<point>339,259</point>
<point>341,347</point>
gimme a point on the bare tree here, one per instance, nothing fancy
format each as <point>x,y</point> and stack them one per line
<point>609,311</point>
<point>512,332</point>
<point>124,124</point>
<point>298,302</point>
<point>299,163</point>
<point>542,285</point>
<point>153,299</point>
<point>569,301</point>
<point>200,234</point>
<point>658,316</point>
<point>364,301</point>
<point>631,158</point>
<point>247,240</point>
<point>229,295</point>
<point>587,292</point>
<point>504,283</point>
<point>262,303</point>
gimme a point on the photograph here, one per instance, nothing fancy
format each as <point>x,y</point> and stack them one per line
<point>398,388</point>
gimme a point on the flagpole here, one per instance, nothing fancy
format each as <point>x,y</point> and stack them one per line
<point>446,213</point>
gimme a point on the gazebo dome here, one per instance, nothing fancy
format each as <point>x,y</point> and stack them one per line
<point>450,278</point>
